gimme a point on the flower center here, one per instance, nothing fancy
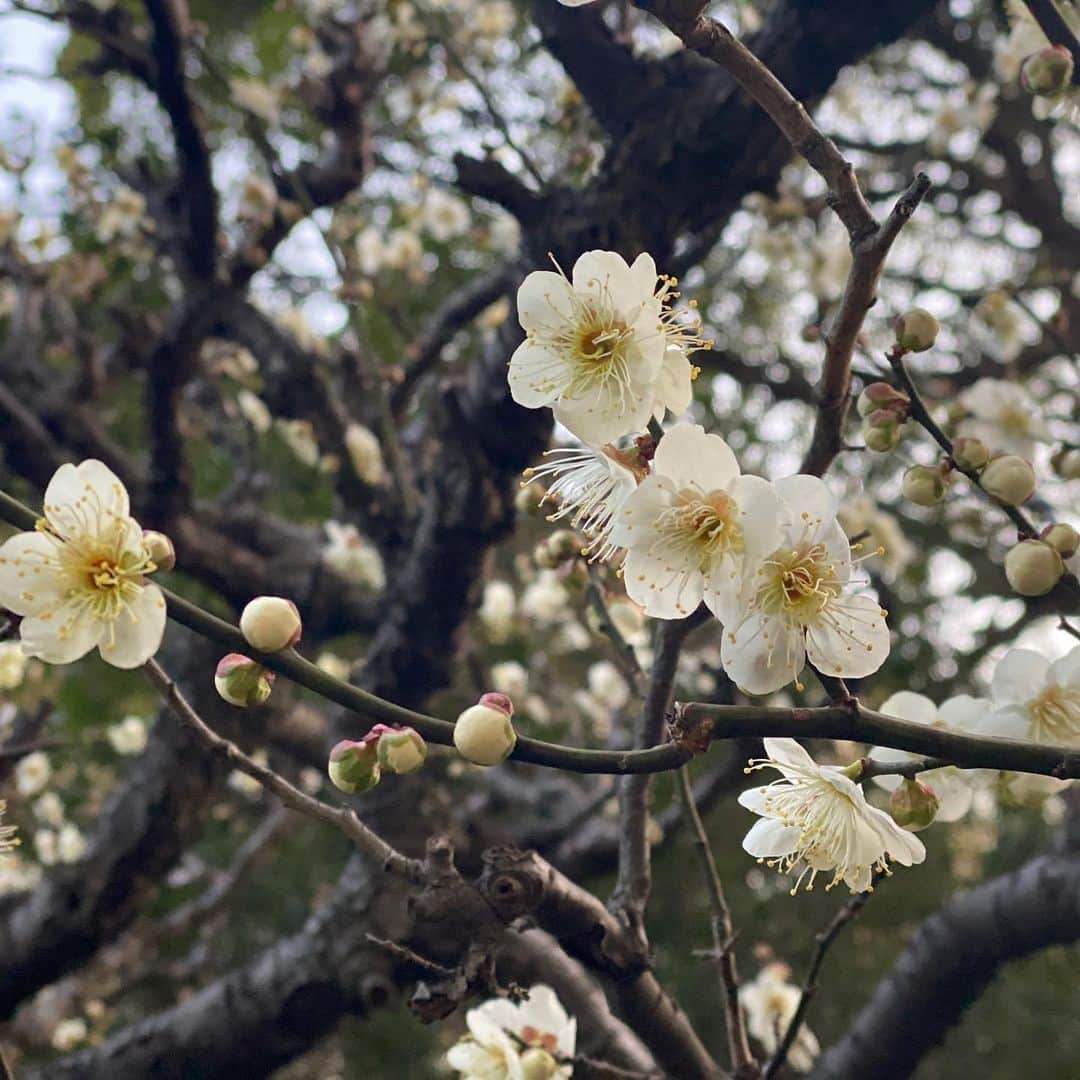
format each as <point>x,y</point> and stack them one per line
<point>1014,421</point>
<point>1055,715</point>
<point>799,583</point>
<point>699,527</point>
<point>535,1037</point>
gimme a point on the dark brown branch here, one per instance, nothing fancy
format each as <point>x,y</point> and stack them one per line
<point>948,962</point>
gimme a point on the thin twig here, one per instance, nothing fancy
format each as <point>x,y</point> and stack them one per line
<point>341,817</point>
<point>810,985</point>
<point>723,930</point>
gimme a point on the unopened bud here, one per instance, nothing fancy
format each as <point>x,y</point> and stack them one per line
<point>270,623</point>
<point>1033,568</point>
<point>563,545</point>
<point>1009,478</point>
<point>530,498</point>
<point>484,733</point>
<point>880,395</point>
<point>401,750</point>
<point>1048,72</point>
<point>913,806</point>
<point>916,330</point>
<point>882,431</point>
<point>538,1064</point>
<point>925,485</point>
<point>354,766</point>
<point>1066,462</point>
<point>1063,538</point>
<point>160,549</point>
<point>970,453</point>
<point>242,681</point>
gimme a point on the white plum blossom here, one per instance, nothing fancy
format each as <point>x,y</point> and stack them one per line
<point>365,454</point>
<point>769,1003</point>
<point>951,785</point>
<point>590,486</point>
<point>253,409</point>
<point>70,844</point>
<point>607,685</point>
<point>32,773</point>
<point>18,875</point>
<point>80,579</point>
<point>445,216</point>
<point>546,600</point>
<point>1004,417</point>
<point>1034,699</point>
<point>256,97</point>
<point>497,610</point>
<point>69,1033</point>
<point>353,556</point>
<point>817,818</point>
<point>510,678</point>
<point>12,665</point>
<point>601,348</point>
<point>796,603</point>
<point>45,847</point>
<point>299,437</point>
<point>692,525</point>
<point>504,1039</point>
<point>128,736</point>
<point>49,808</point>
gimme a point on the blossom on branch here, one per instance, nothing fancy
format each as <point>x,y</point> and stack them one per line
<point>691,526</point>
<point>602,348</point>
<point>816,818</point>
<point>1003,415</point>
<point>797,602</point>
<point>527,1041</point>
<point>770,1002</point>
<point>80,578</point>
<point>1034,699</point>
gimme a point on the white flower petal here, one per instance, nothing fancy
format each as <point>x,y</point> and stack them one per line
<point>543,300</point>
<point>760,514</point>
<point>42,637</point>
<point>760,664</point>
<point>27,584</point>
<point>771,839</point>
<point>1066,670</point>
<point>690,458</point>
<point>1019,676</point>
<point>916,708</point>
<point>854,643</point>
<point>137,632</point>
<point>808,497</point>
<point>674,385</point>
<point>537,375</point>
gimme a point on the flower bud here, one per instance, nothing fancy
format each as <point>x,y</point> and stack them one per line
<point>913,806</point>
<point>1063,538</point>
<point>882,431</point>
<point>1009,478</point>
<point>270,623</point>
<point>241,681</point>
<point>160,549</point>
<point>538,1064</point>
<point>970,453</point>
<point>401,750</point>
<point>530,497</point>
<point>354,766</point>
<point>564,544</point>
<point>484,733</point>
<point>880,395</point>
<point>916,330</point>
<point>925,485</point>
<point>1033,568</point>
<point>1047,72</point>
<point>1066,462</point>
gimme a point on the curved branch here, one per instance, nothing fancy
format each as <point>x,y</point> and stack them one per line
<point>950,960</point>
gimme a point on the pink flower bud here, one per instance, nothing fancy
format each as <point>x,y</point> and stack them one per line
<point>241,681</point>
<point>354,766</point>
<point>484,733</point>
<point>160,549</point>
<point>880,395</point>
<point>270,623</point>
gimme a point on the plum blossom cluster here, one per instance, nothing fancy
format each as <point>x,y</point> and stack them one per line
<point>531,1040</point>
<point>606,350</point>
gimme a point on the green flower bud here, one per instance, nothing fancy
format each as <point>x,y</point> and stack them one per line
<point>241,681</point>
<point>1033,568</point>
<point>925,485</point>
<point>1009,478</point>
<point>970,453</point>
<point>484,733</point>
<point>882,431</point>
<point>1063,538</point>
<point>916,330</point>
<point>538,1064</point>
<point>913,806</point>
<point>1048,72</point>
<point>880,395</point>
<point>160,549</point>
<point>270,623</point>
<point>401,750</point>
<point>354,766</point>
<point>1066,462</point>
